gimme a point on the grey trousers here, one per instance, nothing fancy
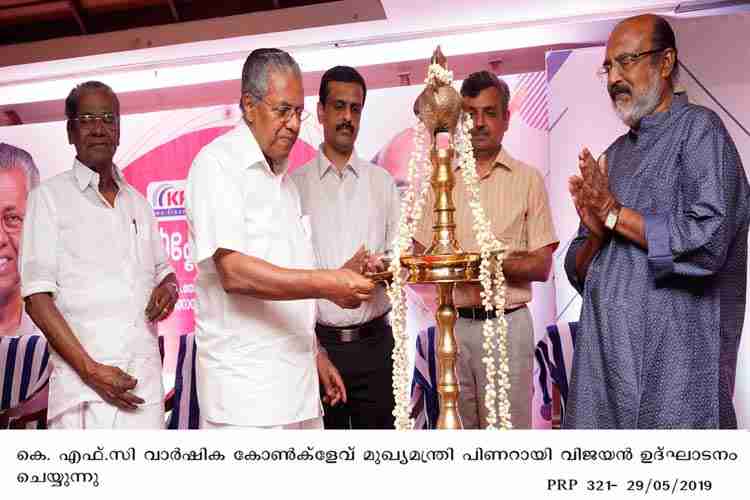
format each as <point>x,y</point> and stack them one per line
<point>472,376</point>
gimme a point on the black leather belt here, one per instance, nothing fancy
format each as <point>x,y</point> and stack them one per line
<point>480,314</point>
<point>352,333</point>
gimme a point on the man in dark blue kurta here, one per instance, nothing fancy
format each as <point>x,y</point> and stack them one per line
<point>660,258</point>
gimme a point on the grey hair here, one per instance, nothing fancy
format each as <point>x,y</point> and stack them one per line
<point>71,102</point>
<point>259,65</point>
<point>13,157</point>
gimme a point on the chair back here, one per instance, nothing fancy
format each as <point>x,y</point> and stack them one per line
<point>183,399</point>
<point>24,374</point>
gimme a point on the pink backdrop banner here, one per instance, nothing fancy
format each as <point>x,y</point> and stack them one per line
<point>157,149</point>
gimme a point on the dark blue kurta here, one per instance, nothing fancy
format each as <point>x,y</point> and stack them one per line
<point>660,329</point>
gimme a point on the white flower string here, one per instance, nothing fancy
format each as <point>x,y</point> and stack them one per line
<point>436,75</point>
<point>493,290</point>
<point>411,214</point>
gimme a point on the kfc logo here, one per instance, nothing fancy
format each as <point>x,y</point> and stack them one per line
<point>167,198</point>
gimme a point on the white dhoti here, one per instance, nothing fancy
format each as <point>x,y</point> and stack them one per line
<point>100,415</point>
<point>310,424</point>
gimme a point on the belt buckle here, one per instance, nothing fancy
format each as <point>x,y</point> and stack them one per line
<point>349,335</point>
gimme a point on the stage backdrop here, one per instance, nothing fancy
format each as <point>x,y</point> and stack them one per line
<point>157,149</point>
<point>581,115</point>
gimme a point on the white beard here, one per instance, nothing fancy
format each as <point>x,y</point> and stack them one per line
<point>640,105</point>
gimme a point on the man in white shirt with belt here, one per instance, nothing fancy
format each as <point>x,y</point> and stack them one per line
<point>257,359</point>
<point>354,207</point>
<point>96,279</point>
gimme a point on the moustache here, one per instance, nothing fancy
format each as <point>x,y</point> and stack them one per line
<point>616,89</point>
<point>345,125</point>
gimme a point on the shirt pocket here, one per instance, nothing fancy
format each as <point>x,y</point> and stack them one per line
<point>86,240</point>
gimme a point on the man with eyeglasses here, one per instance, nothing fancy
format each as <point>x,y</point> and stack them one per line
<point>514,198</point>
<point>353,206</point>
<point>660,258</point>
<point>258,364</point>
<point>96,279</point>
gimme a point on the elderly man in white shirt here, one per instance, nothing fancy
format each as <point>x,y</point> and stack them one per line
<point>354,207</point>
<point>96,279</point>
<point>258,364</point>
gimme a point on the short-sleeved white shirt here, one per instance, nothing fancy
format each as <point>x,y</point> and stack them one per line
<point>101,264</point>
<point>255,358</point>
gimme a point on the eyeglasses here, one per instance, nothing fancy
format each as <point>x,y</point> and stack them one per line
<point>90,119</point>
<point>11,222</point>
<point>285,112</point>
<point>624,61</point>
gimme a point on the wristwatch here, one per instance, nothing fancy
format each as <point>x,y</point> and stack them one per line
<point>611,221</point>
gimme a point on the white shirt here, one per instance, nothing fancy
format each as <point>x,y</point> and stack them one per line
<point>101,264</point>
<point>359,206</point>
<point>255,358</point>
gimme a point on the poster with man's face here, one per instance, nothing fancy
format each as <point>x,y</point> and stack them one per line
<point>17,173</point>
